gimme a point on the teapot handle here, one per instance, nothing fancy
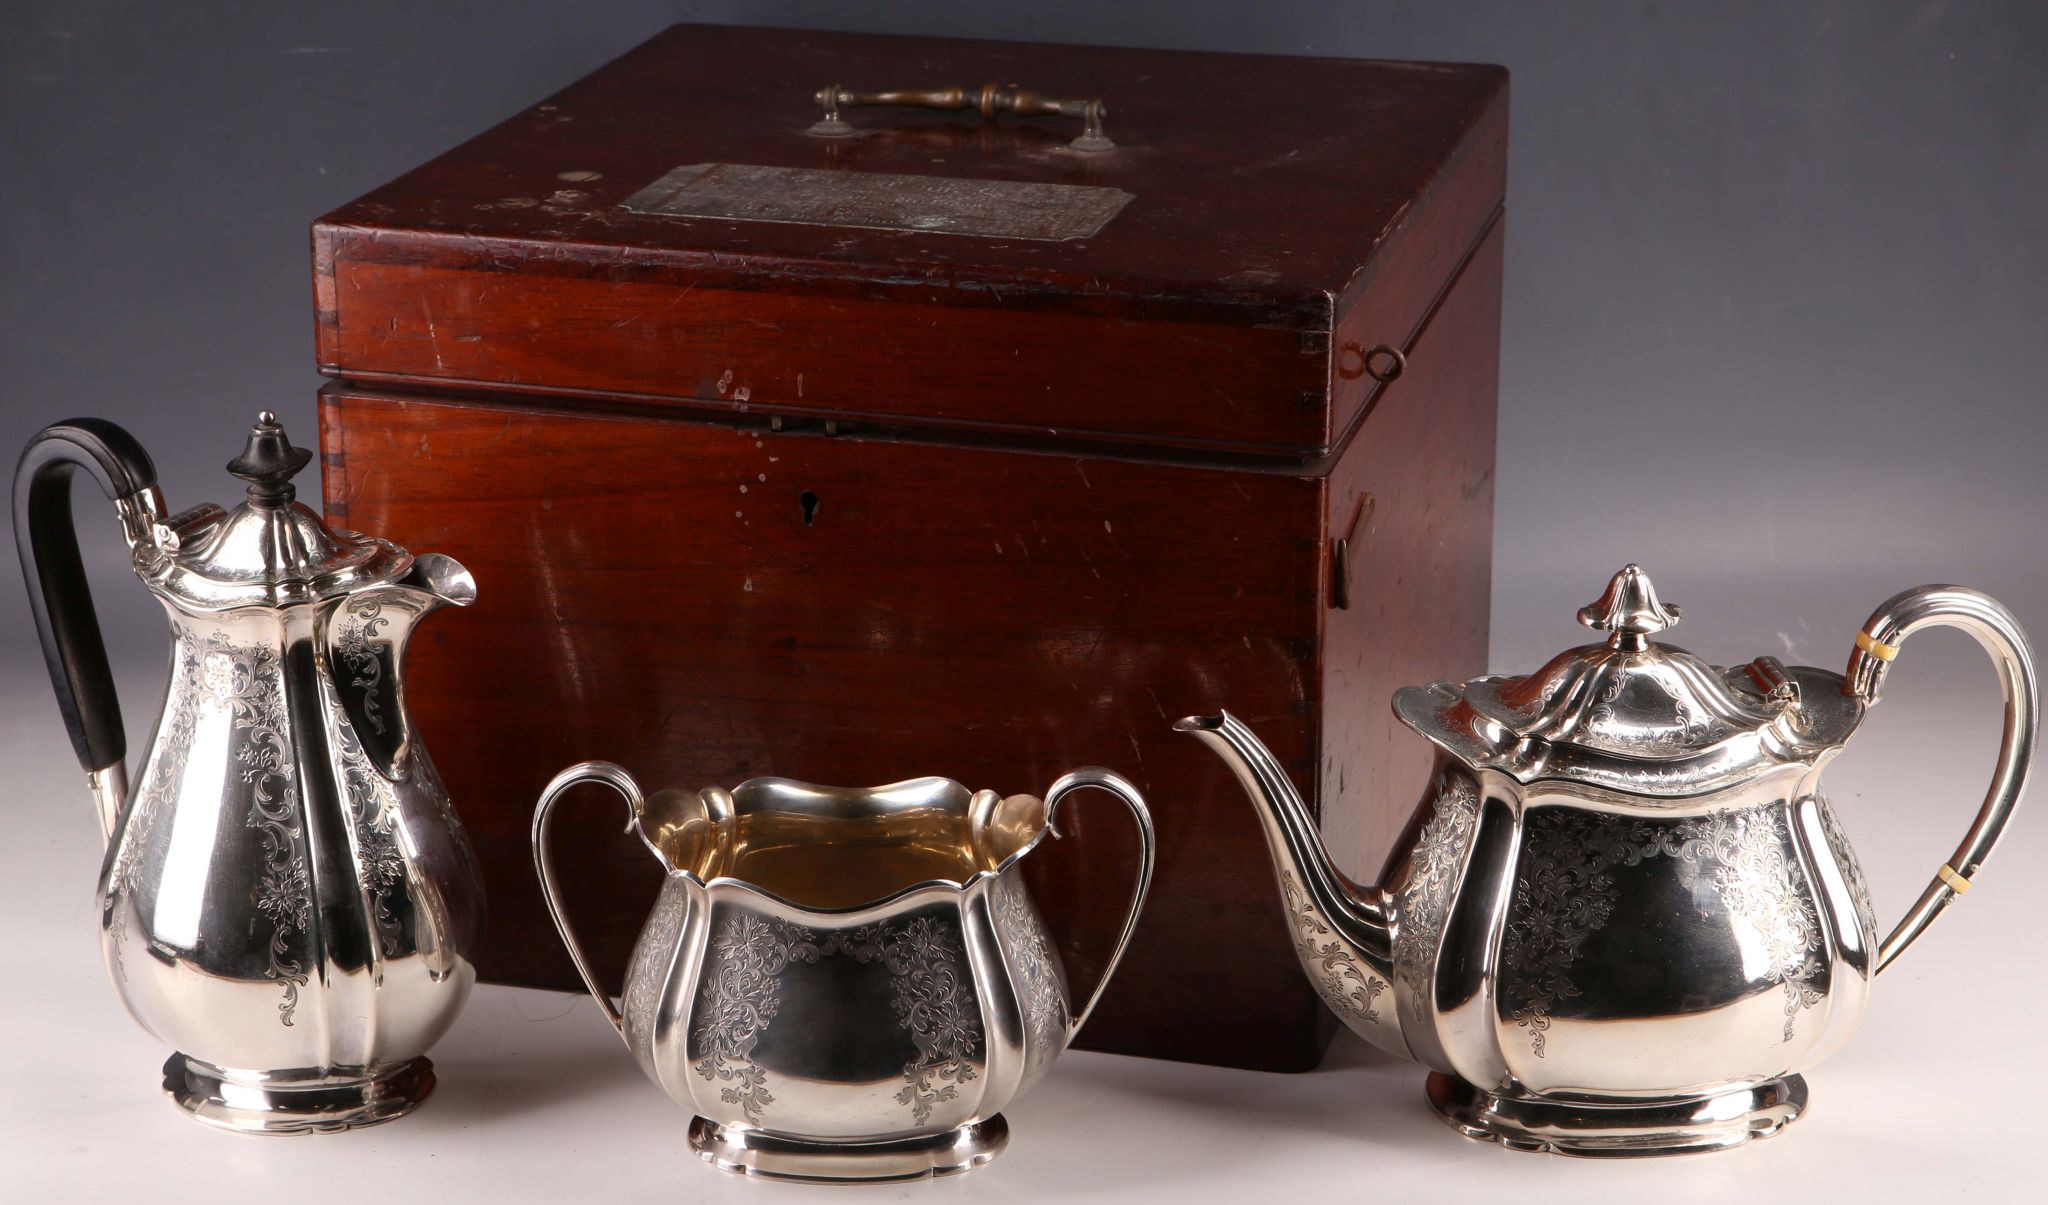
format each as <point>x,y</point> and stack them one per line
<point>615,777</point>
<point>1995,628</point>
<point>1117,785</point>
<point>59,595</point>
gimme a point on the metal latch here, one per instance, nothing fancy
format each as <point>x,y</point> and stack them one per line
<point>1340,556</point>
<point>778,423</point>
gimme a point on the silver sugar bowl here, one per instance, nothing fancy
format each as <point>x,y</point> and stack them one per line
<point>287,898</point>
<point>841,984</point>
<point>1626,916</point>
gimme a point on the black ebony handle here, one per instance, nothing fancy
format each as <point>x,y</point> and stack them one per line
<point>58,595</point>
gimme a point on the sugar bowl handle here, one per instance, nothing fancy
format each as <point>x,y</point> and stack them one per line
<point>1115,784</point>
<point>989,99</point>
<point>616,778</point>
<point>1995,628</point>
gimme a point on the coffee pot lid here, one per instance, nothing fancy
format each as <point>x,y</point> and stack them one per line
<point>272,550</point>
<point>1633,714</point>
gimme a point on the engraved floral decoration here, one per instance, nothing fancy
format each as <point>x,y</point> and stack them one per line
<point>1567,892</point>
<point>937,1006</point>
<point>372,810</point>
<point>1433,871</point>
<point>653,954</point>
<point>373,804</point>
<point>1759,881</point>
<point>1033,968</point>
<point>247,682</point>
<point>1663,718</point>
<point>215,677</point>
<point>356,653</point>
<point>1346,987</point>
<point>1563,896</point>
<point>746,956</point>
<point>166,768</point>
<point>929,995</point>
<point>1852,870</point>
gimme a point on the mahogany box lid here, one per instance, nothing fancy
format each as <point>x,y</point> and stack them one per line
<point>1217,280</point>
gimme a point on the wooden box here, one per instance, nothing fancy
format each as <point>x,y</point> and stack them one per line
<point>946,448</point>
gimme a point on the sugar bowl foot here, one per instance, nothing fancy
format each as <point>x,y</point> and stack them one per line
<point>257,1103</point>
<point>751,1152</point>
<point>1619,1128</point>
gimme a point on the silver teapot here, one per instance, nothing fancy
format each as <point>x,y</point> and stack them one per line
<point>1626,917</point>
<point>287,898</point>
<point>843,984</point>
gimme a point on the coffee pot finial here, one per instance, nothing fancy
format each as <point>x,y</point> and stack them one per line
<point>269,461</point>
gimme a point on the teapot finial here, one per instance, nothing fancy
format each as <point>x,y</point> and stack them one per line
<point>268,462</point>
<point>1629,609</point>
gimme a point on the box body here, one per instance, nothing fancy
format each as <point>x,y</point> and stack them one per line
<point>852,505</point>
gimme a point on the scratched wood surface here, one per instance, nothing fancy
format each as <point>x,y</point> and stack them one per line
<point>1422,561</point>
<point>649,592</point>
<point>1082,487</point>
<point>1265,214</point>
<point>704,602</point>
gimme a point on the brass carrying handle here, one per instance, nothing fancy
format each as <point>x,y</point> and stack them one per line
<point>1995,628</point>
<point>616,778</point>
<point>1119,786</point>
<point>989,99</point>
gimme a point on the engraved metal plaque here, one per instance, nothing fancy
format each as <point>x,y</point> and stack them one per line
<point>874,201</point>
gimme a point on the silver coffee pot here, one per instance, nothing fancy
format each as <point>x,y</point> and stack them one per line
<point>287,898</point>
<point>1626,916</point>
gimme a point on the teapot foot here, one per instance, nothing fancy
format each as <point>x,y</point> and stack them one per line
<point>751,1152</point>
<point>252,1102</point>
<point>1617,1127</point>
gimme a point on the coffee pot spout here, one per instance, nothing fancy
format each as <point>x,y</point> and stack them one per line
<point>435,581</point>
<point>1337,923</point>
<point>366,640</point>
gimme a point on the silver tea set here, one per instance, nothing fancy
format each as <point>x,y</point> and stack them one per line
<point>1623,921</point>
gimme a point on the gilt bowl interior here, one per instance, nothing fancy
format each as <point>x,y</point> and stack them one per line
<point>826,848</point>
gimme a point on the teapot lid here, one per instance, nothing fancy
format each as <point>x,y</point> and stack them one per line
<point>1635,715</point>
<point>270,551</point>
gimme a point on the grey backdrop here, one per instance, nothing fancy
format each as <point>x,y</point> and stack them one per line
<point>1775,304</point>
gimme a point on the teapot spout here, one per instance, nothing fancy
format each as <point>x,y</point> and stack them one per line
<point>1341,932</point>
<point>366,642</point>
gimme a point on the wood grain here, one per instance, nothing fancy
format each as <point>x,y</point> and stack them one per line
<point>652,594</point>
<point>1421,564</point>
<point>1081,488</point>
<point>1312,196</point>
<point>649,593</point>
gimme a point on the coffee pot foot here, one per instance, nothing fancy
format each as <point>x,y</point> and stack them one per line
<point>303,1103</point>
<point>1619,1127</point>
<point>750,1152</point>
